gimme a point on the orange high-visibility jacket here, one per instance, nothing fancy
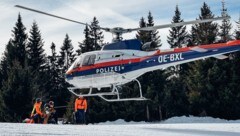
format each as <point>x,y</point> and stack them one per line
<point>37,108</point>
<point>80,104</point>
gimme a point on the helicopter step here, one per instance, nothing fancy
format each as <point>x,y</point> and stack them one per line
<point>114,92</point>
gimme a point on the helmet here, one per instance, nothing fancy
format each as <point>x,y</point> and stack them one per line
<point>38,100</point>
<point>51,103</point>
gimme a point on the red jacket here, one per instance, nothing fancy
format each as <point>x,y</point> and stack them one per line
<point>37,108</point>
<point>80,103</point>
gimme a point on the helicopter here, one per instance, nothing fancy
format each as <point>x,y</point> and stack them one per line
<point>123,61</point>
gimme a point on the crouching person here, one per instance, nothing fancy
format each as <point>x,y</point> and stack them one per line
<point>37,114</point>
<point>50,112</point>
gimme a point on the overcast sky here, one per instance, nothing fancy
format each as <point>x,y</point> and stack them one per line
<point>110,13</point>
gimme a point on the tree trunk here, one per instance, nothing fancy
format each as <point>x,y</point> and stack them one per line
<point>160,112</point>
<point>147,111</point>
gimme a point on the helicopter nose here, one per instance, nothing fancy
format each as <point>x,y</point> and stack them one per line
<point>69,74</point>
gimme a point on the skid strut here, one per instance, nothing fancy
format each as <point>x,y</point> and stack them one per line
<point>114,92</point>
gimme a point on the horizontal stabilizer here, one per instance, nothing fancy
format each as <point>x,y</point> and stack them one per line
<point>198,49</point>
<point>220,57</point>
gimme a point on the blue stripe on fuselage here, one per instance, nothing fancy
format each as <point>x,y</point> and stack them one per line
<point>154,61</point>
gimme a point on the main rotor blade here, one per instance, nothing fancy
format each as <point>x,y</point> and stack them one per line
<point>41,12</point>
<point>179,24</point>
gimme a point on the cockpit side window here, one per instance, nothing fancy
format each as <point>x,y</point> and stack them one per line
<point>89,60</point>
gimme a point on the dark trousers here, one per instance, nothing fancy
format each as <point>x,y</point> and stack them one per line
<point>37,118</point>
<point>53,118</point>
<point>80,116</point>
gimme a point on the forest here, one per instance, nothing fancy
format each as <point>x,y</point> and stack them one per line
<point>208,87</point>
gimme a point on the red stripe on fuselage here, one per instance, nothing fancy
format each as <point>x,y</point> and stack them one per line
<point>158,52</point>
<point>106,64</point>
<point>208,46</point>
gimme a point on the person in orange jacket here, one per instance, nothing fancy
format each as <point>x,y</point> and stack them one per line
<point>80,109</point>
<point>36,112</point>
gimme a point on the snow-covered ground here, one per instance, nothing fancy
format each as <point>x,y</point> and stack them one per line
<point>177,126</point>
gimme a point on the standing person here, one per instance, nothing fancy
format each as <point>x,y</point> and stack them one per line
<point>36,112</point>
<point>80,109</point>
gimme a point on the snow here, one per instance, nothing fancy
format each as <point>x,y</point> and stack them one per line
<point>187,126</point>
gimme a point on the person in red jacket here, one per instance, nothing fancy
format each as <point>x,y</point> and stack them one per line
<point>36,112</point>
<point>80,109</point>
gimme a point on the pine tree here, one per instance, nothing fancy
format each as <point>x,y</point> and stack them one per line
<point>7,60</point>
<point>2,107</point>
<point>37,62</point>
<point>142,35</point>
<point>178,35</point>
<point>151,80</point>
<point>205,33</point>
<point>16,89</point>
<point>36,56</point>
<point>153,35</point>
<point>237,32</point>
<point>53,73</point>
<point>96,35</point>
<point>201,92</point>
<point>19,41</point>
<point>86,45</point>
<point>226,26</point>
<point>175,92</point>
<point>178,38</point>
<point>67,55</point>
<point>64,61</point>
<point>175,100</point>
<point>17,94</point>
<point>57,86</point>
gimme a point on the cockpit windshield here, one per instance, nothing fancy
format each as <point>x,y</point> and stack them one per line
<point>83,60</point>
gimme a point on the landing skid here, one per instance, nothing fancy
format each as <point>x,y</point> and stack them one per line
<point>114,92</point>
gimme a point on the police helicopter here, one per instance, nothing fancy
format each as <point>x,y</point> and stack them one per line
<point>123,61</point>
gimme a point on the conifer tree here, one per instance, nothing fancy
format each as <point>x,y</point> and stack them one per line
<point>57,86</point>
<point>201,92</point>
<point>175,100</point>
<point>16,86</point>
<point>96,35</point>
<point>87,43</point>
<point>150,81</point>
<point>205,33</point>
<point>237,32</point>
<point>19,40</point>
<point>66,58</point>
<point>2,107</point>
<point>153,35</point>
<point>234,82</point>
<point>37,62</point>
<point>178,38</point>
<point>175,92</point>
<point>17,94</point>
<point>35,51</point>
<point>67,54</point>
<point>142,35</point>
<point>53,73</point>
<point>178,35</point>
<point>7,60</point>
<point>226,26</point>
